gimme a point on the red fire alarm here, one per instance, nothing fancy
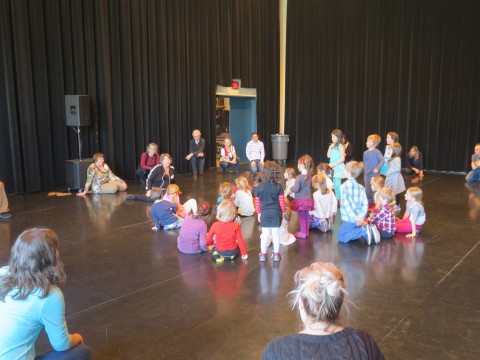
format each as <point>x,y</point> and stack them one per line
<point>236,84</point>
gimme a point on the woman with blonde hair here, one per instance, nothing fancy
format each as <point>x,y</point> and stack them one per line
<point>149,159</point>
<point>318,295</point>
<point>101,179</point>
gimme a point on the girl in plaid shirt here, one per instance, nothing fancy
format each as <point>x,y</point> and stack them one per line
<point>382,216</point>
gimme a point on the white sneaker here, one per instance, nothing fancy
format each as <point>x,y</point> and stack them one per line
<point>376,233</point>
<point>369,234</point>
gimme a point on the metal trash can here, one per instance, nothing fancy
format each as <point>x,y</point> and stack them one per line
<point>280,147</point>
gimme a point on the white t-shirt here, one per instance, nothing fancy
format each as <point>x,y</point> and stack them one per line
<point>288,186</point>
<point>244,202</point>
<point>325,205</point>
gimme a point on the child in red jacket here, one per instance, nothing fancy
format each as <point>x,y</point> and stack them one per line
<point>226,234</point>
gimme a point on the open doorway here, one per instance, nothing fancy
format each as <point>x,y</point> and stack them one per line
<point>236,118</point>
<point>222,123</point>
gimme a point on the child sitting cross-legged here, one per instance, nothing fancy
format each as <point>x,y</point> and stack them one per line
<point>192,238</point>
<point>226,235</point>
<point>382,216</point>
<point>164,212</point>
<point>243,197</point>
<point>325,205</point>
<point>354,207</point>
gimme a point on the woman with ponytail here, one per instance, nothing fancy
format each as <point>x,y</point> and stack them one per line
<point>318,295</point>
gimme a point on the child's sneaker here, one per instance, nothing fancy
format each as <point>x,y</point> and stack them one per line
<point>276,257</point>
<point>262,257</point>
<point>375,233</point>
<point>218,258</point>
<point>300,235</point>
<point>368,234</point>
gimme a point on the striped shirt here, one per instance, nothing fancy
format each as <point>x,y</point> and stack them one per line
<point>354,202</point>
<point>255,150</point>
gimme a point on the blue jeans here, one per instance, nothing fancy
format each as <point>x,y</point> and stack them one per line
<point>176,225</point>
<point>79,352</point>
<point>225,165</point>
<point>350,231</point>
<point>229,254</point>
<point>257,167</point>
<point>384,234</point>
<point>473,175</point>
<point>197,164</point>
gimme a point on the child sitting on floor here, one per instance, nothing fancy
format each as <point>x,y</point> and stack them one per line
<point>325,203</point>
<point>226,235</point>
<point>193,234</point>
<point>243,198</point>
<point>376,183</point>
<point>172,194</point>
<point>225,193</point>
<point>164,212</point>
<point>326,170</point>
<point>414,216</point>
<point>285,237</point>
<point>382,216</point>
<point>354,208</point>
<point>289,176</point>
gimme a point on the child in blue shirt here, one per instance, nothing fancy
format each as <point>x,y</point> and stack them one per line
<point>372,163</point>
<point>354,207</point>
<point>164,212</point>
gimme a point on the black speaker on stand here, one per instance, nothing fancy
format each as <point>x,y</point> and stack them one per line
<point>77,111</point>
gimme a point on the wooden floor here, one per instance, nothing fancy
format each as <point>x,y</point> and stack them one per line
<point>133,296</point>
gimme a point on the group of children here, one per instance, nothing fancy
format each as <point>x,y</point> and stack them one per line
<point>367,212</point>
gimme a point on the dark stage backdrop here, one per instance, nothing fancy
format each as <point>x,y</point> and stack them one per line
<point>375,66</point>
<point>150,67</point>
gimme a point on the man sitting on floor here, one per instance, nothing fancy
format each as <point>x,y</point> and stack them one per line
<point>474,175</point>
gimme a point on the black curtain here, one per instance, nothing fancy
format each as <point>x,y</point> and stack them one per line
<point>375,66</point>
<point>150,67</point>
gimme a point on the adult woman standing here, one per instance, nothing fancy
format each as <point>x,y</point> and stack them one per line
<point>30,299</point>
<point>318,295</point>
<point>101,178</point>
<point>148,160</point>
<point>228,156</point>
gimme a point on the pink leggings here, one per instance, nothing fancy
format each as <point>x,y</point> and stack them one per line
<point>304,221</point>
<point>404,226</point>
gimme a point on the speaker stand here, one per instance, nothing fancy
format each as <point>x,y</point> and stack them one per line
<point>77,130</point>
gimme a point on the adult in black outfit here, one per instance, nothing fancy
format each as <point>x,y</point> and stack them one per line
<point>160,176</point>
<point>318,295</point>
